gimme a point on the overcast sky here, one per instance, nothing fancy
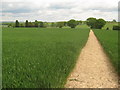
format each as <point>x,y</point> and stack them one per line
<point>58,10</point>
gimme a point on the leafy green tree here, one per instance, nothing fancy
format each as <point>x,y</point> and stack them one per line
<point>36,23</point>
<point>116,27</point>
<point>114,20</point>
<point>30,24</point>
<point>65,23</point>
<point>41,24</point>
<point>21,25</point>
<point>100,23</point>
<point>46,24</point>
<point>26,23</point>
<point>17,23</point>
<point>79,22</point>
<point>53,24</point>
<point>60,24</point>
<point>91,22</point>
<point>9,25</point>
<point>72,23</point>
<point>95,23</point>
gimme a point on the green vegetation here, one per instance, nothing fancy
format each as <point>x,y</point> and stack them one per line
<point>60,24</point>
<point>116,27</point>
<point>72,23</point>
<point>109,25</point>
<point>36,23</point>
<point>16,23</point>
<point>95,23</point>
<point>40,57</point>
<point>26,23</point>
<point>109,41</point>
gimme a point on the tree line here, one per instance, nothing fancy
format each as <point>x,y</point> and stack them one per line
<point>29,24</point>
<point>93,23</point>
<point>71,23</point>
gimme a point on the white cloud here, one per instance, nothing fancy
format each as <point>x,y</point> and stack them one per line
<point>56,10</point>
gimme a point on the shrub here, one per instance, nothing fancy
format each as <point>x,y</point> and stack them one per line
<point>116,27</point>
<point>60,24</point>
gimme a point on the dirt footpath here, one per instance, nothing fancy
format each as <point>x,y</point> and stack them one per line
<point>93,69</point>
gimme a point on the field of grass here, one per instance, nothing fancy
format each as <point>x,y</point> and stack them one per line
<point>40,58</point>
<point>109,41</point>
<point>109,25</point>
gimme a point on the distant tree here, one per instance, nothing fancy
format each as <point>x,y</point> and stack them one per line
<point>21,25</point>
<point>114,20</point>
<point>65,23</point>
<point>45,24</point>
<point>95,23</point>
<point>30,24</point>
<point>79,22</point>
<point>72,23</point>
<point>41,24</point>
<point>116,27</point>
<point>26,23</point>
<point>100,23</point>
<point>53,24</point>
<point>84,22</point>
<point>9,25</point>
<point>36,23</point>
<point>17,23</point>
<point>60,24</point>
<point>91,22</point>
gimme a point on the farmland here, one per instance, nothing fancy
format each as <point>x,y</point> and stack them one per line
<point>40,57</point>
<point>44,57</point>
<point>110,25</point>
<point>109,41</point>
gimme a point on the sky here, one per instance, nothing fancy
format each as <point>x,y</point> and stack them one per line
<point>58,10</point>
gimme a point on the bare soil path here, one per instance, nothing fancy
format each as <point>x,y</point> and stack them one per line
<point>93,68</point>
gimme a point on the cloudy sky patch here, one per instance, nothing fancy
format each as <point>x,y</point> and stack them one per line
<point>58,10</point>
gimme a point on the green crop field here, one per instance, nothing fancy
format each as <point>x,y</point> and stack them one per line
<point>109,41</point>
<point>110,25</point>
<point>40,57</point>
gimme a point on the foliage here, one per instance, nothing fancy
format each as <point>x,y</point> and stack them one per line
<point>26,23</point>
<point>72,23</point>
<point>46,24</point>
<point>36,23</point>
<point>79,22</point>
<point>110,25</point>
<point>53,24</point>
<point>91,22</point>
<point>116,27</point>
<point>114,20</point>
<point>17,23</point>
<point>41,24</point>
<point>94,23</point>
<point>21,25</point>
<point>100,23</point>
<point>60,24</point>
<point>65,23</point>
<point>10,25</point>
